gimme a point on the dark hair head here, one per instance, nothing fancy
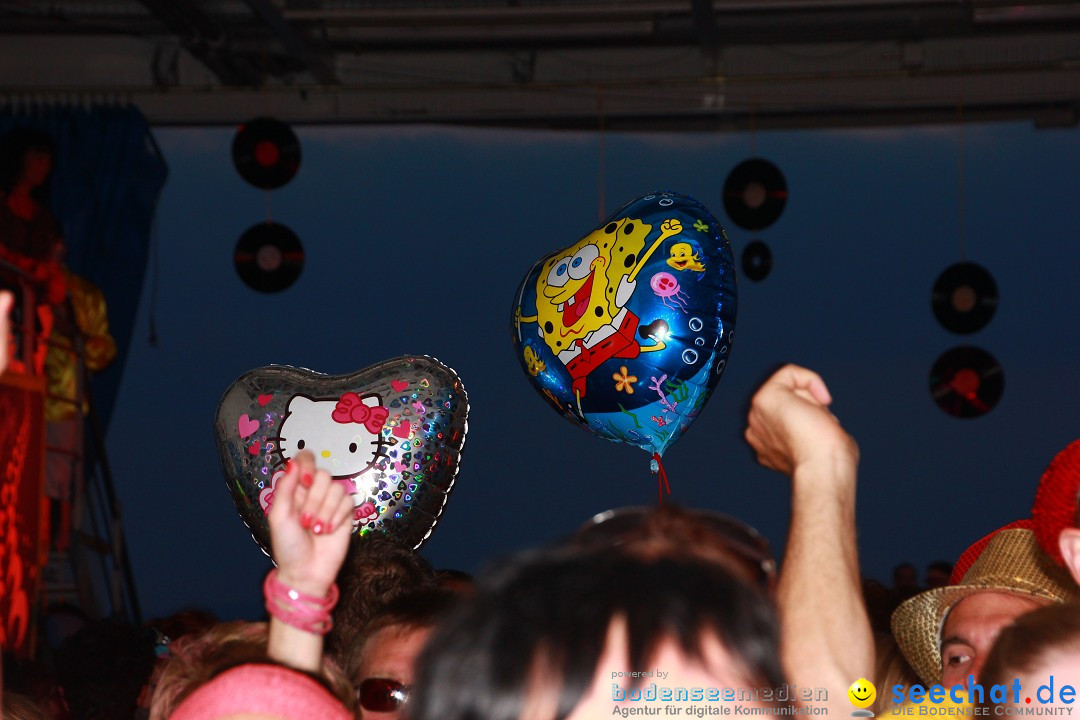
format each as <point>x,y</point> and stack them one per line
<point>551,611</point>
<point>416,610</point>
<point>942,566</point>
<point>13,148</point>
<point>186,621</point>
<point>649,533</point>
<point>1032,639</point>
<point>377,570</point>
<point>103,668</point>
<point>938,573</point>
<point>454,580</point>
<point>905,576</point>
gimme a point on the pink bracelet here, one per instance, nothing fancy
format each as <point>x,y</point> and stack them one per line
<point>300,610</point>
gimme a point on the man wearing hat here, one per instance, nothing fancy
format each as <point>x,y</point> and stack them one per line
<point>1056,511</point>
<point>946,633</point>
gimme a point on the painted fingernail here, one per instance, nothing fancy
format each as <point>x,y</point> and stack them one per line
<point>318,529</point>
<point>307,480</point>
<point>306,520</point>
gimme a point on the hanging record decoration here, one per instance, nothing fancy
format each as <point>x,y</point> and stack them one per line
<point>266,153</point>
<point>964,298</point>
<point>269,257</point>
<point>756,261</point>
<point>966,382</point>
<point>755,193</point>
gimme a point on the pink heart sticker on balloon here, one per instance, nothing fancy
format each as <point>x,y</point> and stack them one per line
<point>399,385</point>
<point>402,430</point>
<point>247,426</point>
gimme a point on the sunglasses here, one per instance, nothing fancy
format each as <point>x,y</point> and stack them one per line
<point>708,528</point>
<point>382,694</point>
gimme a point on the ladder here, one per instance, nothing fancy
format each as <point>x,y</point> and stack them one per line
<point>88,567</point>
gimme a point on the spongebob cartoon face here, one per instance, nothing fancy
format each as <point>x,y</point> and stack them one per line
<point>577,291</point>
<point>342,433</point>
<point>683,257</point>
<point>582,295</point>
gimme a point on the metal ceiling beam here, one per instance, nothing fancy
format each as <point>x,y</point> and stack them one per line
<point>204,39</point>
<point>314,58</point>
<point>708,33</point>
<point>777,62</point>
<point>1045,97</point>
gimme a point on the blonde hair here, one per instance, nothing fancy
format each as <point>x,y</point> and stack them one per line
<point>17,706</point>
<point>197,659</point>
<point>892,669</point>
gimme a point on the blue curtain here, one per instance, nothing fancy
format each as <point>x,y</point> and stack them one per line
<point>107,178</point>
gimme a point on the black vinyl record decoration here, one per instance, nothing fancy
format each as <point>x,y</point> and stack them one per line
<point>269,257</point>
<point>266,153</point>
<point>755,193</point>
<point>966,382</point>
<point>756,260</point>
<point>964,298</point>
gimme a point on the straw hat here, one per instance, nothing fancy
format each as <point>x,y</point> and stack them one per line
<point>1056,499</point>
<point>1008,560</point>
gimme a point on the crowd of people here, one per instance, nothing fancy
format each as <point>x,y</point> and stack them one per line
<point>641,611</point>
<point>647,611</point>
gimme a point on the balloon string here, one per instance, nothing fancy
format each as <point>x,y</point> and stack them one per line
<point>601,167</point>
<point>661,477</point>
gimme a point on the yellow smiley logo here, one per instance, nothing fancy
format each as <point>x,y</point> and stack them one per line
<point>862,693</point>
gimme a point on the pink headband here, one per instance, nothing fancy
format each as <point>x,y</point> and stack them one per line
<point>261,690</point>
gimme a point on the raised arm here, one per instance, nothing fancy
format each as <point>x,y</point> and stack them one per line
<point>826,639</point>
<point>310,525</point>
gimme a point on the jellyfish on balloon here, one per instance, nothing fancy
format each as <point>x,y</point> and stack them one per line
<point>667,288</point>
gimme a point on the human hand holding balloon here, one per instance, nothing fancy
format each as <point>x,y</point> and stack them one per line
<point>309,534</point>
<point>310,526</point>
<point>390,434</point>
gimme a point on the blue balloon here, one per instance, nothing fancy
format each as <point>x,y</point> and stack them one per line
<point>626,332</point>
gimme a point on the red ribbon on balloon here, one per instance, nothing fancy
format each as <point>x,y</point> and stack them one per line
<point>351,409</point>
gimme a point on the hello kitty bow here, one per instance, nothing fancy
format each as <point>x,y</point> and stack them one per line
<point>351,409</point>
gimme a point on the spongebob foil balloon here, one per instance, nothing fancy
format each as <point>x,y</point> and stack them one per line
<point>626,332</point>
<point>391,433</point>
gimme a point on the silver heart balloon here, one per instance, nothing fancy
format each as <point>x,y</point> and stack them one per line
<point>392,433</point>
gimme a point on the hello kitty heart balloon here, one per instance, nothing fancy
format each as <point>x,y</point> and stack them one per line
<point>392,433</point>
